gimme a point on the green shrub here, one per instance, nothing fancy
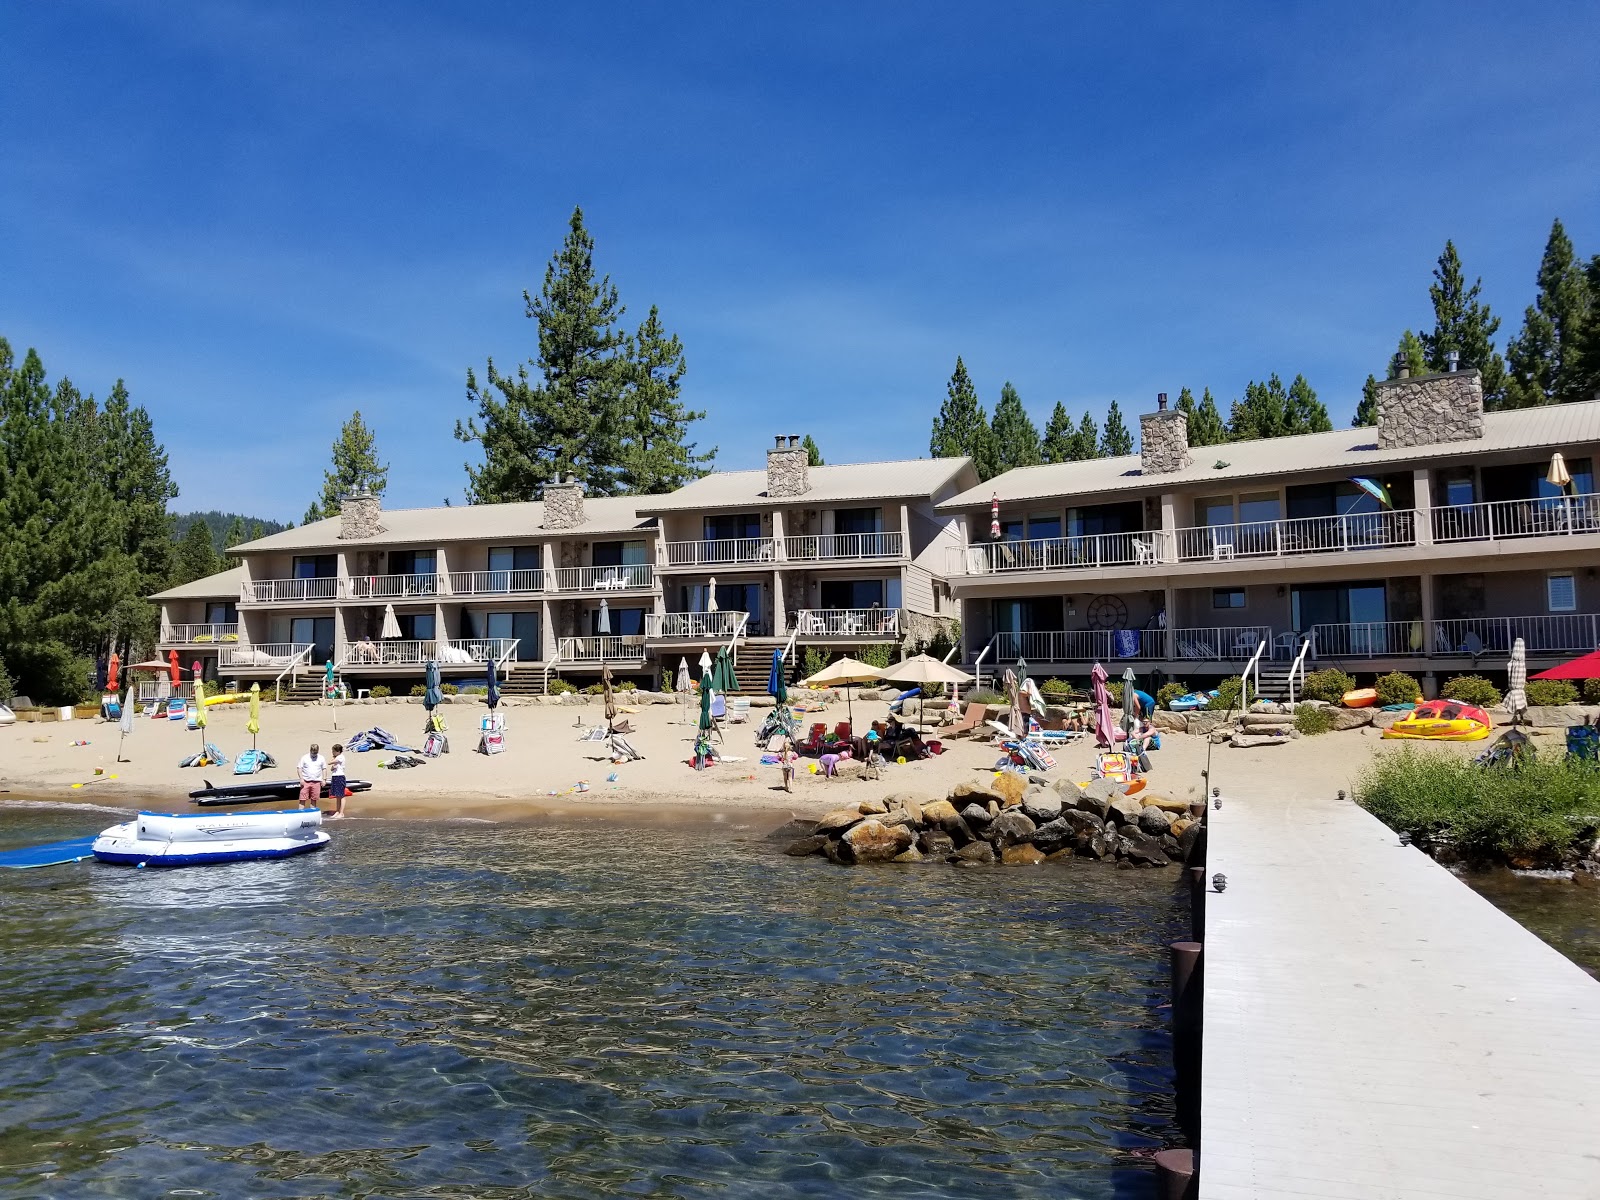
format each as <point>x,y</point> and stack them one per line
<point>1227,694</point>
<point>448,689</point>
<point>1329,684</point>
<point>7,690</point>
<point>879,654</point>
<point>380,691</point>
<point>561,687</point>
<point>1397,688</point>
<point>986,696</point>
<point>1114,690</point>
<point>815,659</point>
<point>1552,691</point>
<point>1312,719</point>
<point>418,689</point>
<point>1591,691</point>
<point>626,685</point>
<point>1055,687</point>
<point>1539,814</point>
<point>594,689</point>
<point>1471,689</point>
<point>1170,692</point>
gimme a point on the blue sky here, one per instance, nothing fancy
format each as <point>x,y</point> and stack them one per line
<point>264,216</point>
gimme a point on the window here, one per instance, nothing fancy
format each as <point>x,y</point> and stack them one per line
<point>858,520</point>
<point>625,622</point>
<point>1044,525</point>
<point>616,554</point>
<point>732,525</point>
<point>416,627</point>
<point>852,593</point>
<point>515,558</point>
<point>1258,506</point>
<point>222,612</point>
<point>411,562</point>
<point>1561,591</point>
<point>524,626</point>
<point>316,566</point>
<point>1213,510</point>
<point>1458,491</point>
<point>1227,597</point>
<point>1011,531</point>
<point>316,630</point>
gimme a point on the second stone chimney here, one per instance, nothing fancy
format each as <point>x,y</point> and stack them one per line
<point>1163,440</point>
<point>360,516</point>
<point>563,504</point>
<point>788,467</point>
<point>1421,410</point>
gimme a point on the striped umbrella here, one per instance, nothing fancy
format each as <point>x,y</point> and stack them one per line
<point>1516,698</point>
<point>994,518</point>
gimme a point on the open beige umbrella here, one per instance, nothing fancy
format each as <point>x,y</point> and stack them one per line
<point>845,673</point>
<point>924,669</point>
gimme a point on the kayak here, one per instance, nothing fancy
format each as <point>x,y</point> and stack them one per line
<point>193,839</point>
<point>261,791</point>
<point>1360,698</point>
<point>1191,701</point>
<point>227,698</point>
<point>1443,721</point>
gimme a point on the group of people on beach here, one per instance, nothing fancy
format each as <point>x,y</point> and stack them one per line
<point>312,767</point>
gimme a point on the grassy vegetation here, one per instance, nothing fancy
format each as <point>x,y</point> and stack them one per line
<point>1542,814</point>
<point>1312,719</point>
<point>1329,685</point>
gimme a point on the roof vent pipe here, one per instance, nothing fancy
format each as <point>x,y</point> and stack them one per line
<point>1453,359</point>
<point>1161,402</point>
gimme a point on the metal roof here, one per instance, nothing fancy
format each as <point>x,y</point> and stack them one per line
<point>222,585</point>
<point>910,477</point>
<point>1553,427</point>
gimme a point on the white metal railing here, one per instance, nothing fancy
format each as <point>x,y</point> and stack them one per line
<point>1138,549</point>
<point>1218,642</point>
<point>480,651</point>
<point>1253,667</point>
<point>847,622</point>
<point>202,634</point>
<point>146,690</point>
<point>1080,645</point>
<point>977,663</point>
<point>291,669</point>
<point>263,656</point>
<point>626,647</point>
<point>390,652</point>
<point>272,591</point>
<point>693,625</point>
<point>1297,669</point>
<point>811,547</point>
<point>1298,535</point>
<point>392,587</point>
<point>496,583</point>
<point>716,552</point>
<point>1369,639</point>
<point>625,577</point>
<point>1501,520</point>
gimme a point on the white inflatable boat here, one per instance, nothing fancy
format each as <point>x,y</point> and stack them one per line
<point>189,839</point>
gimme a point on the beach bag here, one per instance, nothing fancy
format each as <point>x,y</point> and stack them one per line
<point>435,744</point>
<point>492,742</point>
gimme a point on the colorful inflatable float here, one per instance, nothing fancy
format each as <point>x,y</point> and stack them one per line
<point>1443,721</point>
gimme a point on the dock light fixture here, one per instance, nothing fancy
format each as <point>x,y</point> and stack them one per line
<point>1405,837</point>
<point>1220,882</point>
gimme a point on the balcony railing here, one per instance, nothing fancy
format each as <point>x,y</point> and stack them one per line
<point>1218,643</point>
<point>1298,535</point>
<point>182,635</point>
<point>1468,637</point>
<point>1503,520</point>
<point>719,552</point>
<point>692,626</point>
<point>263,656</point>
<point>272,591</point>
<point>453,653</point>
<point>1145,548</point>
<point>497,583</point>
<point>625,648</point>
<point>847,622</point>
<point>627,577</point>
<point>1079,645</point>
<point>816,547</point>
<point>392,587</point>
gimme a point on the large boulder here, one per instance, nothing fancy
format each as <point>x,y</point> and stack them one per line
<point>871,808</point>
<point>795,828</point>
<point>1382,720</point>
<point>1097,846</point>
<point>1139,847</point>
<point>1203,721</point>
<point>815,844</point>
<point>1155,822</point>
<point>1170,722</point>
<point>900,816</point>
<point>1041,806</point>
<point>1097,803</point>
<point>1069,792</point>
<point>1011,787</point>
<point>936,843</point>
<point>1188,838</point>
<point>1083,824</point>
<point>1022,855</point>
<point>975,852</point>
<point>969,791</point>
<point>1055,835</point>
<point>909,801</point>
<point>1179,824</point>
<point>1103,789</point>
<point>1165,803</point>
<point>938,812</point>
<point>1010,828</point>
<point>1125,809</point>
<point>873,841</point>
<point>1244,741</point>
<point>1349,718</point>
<point>977,816</point>
<point>1556,716</point>
<point>837,821</point>
<point>909,855</point>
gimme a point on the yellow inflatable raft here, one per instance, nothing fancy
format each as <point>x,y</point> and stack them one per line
<point>1443,721</point>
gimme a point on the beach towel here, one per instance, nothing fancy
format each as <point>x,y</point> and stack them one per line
<point>251,761</point>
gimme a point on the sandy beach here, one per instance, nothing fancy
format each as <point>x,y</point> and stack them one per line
<point>544,762</point>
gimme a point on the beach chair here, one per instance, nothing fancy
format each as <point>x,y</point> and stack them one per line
<point>719,715</point>
<point>842,731</point>
<point>972,719</point>
<point>739,711</point>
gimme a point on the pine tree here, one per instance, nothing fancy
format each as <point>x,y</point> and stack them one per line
<point>1586,364</point>
<point>196,555</point>
<point>1086,442</point>
<point>1016,438</point>
<point>1059,436</point>
<point>569,423</point>
<point>1115,441</point>
<point>962,426</point>
<point>1542,362</point>
<point>1412,352</point>
<point>1367,410</point>
<point>236,535</point>
<point>1303,412</point>
<point>654,457</point>
<point>1207,428</point>
<point>1462,323</point>
<point>355,469</point>
<point>813,452</point>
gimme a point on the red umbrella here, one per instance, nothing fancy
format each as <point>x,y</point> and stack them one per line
<point>1587,667</point>
<point>172,666</point>
<point>111,672</point>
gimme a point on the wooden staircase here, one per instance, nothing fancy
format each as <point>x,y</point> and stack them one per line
<point>1274,681</point>
<point>303,688</point>
<point>525,679</point>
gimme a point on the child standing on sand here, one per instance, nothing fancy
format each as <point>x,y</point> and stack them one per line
<point>786,757</point>
<point>336,783</point>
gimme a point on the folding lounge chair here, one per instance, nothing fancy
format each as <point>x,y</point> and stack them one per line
<point>972,719</point>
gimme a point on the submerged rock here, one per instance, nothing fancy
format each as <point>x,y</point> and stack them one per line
<point>815,844</point>
<point>909,855</point>
<point>1138,846</point>
<point>975,852</point>
<point>1023,855</point>
<point>873,841</point>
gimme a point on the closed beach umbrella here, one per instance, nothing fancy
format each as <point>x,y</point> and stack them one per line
<point>1558,475</point>
<point>776,688</point>
<point>682,682</point>
<point>430,691</point>
<point>111,671</point>
<point>100,675</point>
<point>200,708</point>
<point>125,720</point>
<point>254,723</point>
<point>994,518</point>
<point>603,624</point>
<point>723,677</point>
<point>711,594</point>
<point>1516,699</point>
<point>172,667</point>
<point>1014,697</point>
<point>492,695</point>
<point>611,696</point>
<point>1130,702</point>
<point>1103,726</point>
<point>705,663</point>
<point>391,623</point>
<point>1022,670</point>
<point>705,705</point>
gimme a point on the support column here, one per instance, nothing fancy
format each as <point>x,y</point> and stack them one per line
<point>905,532</point>
<point>780,547</point>
<point>1430,638</point>
<point>547,631</point>
<point>1168,550</point>
<point>1422,501</point>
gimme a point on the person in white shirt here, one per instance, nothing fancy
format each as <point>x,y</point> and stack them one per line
<point>311,767</point>
<point>336,781</point>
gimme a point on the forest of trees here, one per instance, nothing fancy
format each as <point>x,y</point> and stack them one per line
<point>597,403</point>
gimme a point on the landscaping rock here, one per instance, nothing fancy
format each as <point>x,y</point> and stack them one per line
<point>1349,718</point>
<point>808,845</point>
<point>938,812</point>
<point>1170,722</point>
<point>977,816</point>
<point>1010,828</point>
<point>935,843</point>
<point>1241,741</point>
<point>1140,847</point>
<point>1556,716</point>
<point>909,855</point>
<point>873,808</point>
<point>1203,721</point>
<point>1155,822</point>
<point>962,793</point>
<point>1253,717</point>
<point>1055,835</point>
<point>873,841</point>
<point>1021,856</point>
<point>975,852</point>
<point>837,821</point>
<point>1382,720</point>
<point>1041,806</point>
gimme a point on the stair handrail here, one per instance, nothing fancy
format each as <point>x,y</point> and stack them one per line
<point>552,664</point>
<point>977,663</point>
<point>292,668</point>
<point>1298,667</point>
<point>952,652</point>
<point>1244,679</point>
<point>505,657</point>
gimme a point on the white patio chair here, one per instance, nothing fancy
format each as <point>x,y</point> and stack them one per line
<point>1221,549</point>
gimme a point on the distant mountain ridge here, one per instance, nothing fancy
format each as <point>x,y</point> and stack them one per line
<point>218,522</point>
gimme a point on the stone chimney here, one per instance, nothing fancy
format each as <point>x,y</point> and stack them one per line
<point>1163,440</point>
<point>1421,410</point>
<point>788,467</point>
<point>563,504</point>
<point>359,516</point>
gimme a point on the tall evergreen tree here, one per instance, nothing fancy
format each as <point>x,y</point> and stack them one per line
<point>654,456</point>
<point>1086,443</point>
<point>1303,412</point>
<point>141,488</point>
<point>237,535</point>
<point>1586,365</point>
<point>1207,428</point>
<point>568,421</point>
<point>813,451</point>
<point>1464,324</point>
<point>1367,410</point>
<point>1059,435</point>
<point>962,426</point>
<point>1412,352</point>
<point>355,469</point>
<point>196,555</point>
<point>1115,440</point>
<point>1542,362</point>
<point>1016,439</point>
<point>1270,410</point>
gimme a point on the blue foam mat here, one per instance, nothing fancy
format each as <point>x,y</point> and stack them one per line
<point>50,855</point>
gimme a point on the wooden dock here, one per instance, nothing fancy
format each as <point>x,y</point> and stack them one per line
<point>1374,1030</point>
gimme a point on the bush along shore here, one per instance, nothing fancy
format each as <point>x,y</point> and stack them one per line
<point>1013,820</point>
<point>1542,814</point>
